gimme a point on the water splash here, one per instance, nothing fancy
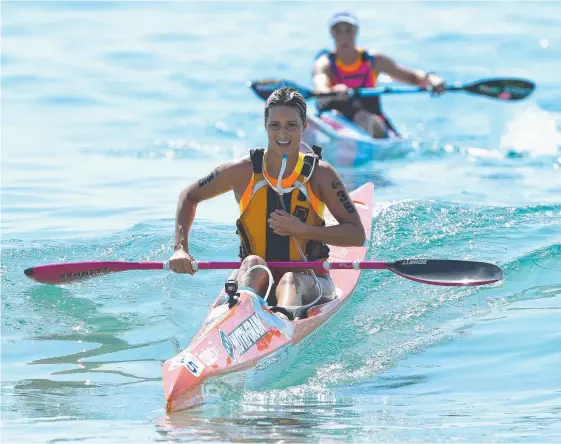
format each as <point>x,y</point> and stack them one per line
<point>534,132</point>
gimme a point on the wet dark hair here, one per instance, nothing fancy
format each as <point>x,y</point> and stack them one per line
<point>286,97</point>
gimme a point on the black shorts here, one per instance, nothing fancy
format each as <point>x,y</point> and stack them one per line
<point>348,108</point>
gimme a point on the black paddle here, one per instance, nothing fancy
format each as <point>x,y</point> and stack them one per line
<point>508,89</point>
<point>447,272</point>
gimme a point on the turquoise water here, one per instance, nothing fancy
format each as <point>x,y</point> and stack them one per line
<point>110,109</point>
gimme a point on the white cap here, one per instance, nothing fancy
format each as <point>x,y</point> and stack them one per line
<point>343,17</point>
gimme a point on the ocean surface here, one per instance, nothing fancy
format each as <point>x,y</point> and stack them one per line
<point>109,109</point>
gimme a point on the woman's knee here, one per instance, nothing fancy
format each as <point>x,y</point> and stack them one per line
<point>287,279</point>
<point>361,118</point>
<point>327,286</point>
<point>371,123</point>
<point>252,260</point>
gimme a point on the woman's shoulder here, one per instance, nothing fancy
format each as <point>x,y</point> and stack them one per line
<point>325,170</point>
<point>324,177</point>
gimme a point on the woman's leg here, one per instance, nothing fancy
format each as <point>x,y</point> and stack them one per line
<point>300,288</point>
<point>257,279</point>
<point>372,123</point>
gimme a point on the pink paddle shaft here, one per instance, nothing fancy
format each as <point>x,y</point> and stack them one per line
<point>73,271</point>
<point>365,265</point>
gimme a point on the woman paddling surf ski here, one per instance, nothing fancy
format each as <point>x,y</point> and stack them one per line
<point>282,193</point>
<point>348,67</point>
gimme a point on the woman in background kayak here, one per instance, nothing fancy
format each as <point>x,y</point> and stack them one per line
<point>282,195</point>
<point>350,67</point>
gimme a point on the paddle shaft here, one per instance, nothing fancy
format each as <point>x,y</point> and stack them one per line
<point>378,91</point>
<point>72,271</point>
<point>327,265</point>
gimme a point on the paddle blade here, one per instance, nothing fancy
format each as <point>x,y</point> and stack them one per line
<point>447,272</point>
<point>76,271</point>
<point>502,89</point>
<point>264,88</point>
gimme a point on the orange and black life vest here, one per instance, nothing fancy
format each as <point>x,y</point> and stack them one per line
<point>259,200</point>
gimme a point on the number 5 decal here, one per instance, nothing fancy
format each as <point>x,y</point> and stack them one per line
<point>192,367</point>
<point>188,361</point>
<point>193,364</point>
